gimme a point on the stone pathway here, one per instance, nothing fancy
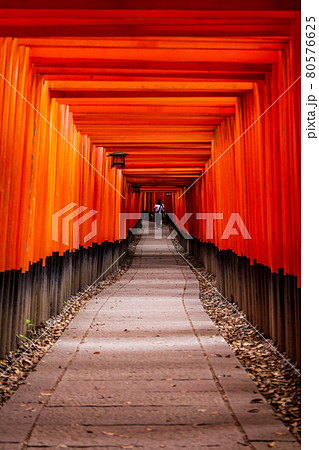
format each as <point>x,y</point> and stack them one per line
<point>142,366</point>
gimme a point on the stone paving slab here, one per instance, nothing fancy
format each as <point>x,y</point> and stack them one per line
<point>135,415</point>
<point>10,446</point>
<point>264,445</point>
<point>142,366</point>
<point>134,398</point>
<point>146,372</point>
<point>169,436</point>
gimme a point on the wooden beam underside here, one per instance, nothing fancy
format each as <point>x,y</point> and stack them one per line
<point>154,81</point>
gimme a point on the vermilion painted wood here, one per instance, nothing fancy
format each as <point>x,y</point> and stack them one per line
<point>175,104</point>
<point>159,8</point>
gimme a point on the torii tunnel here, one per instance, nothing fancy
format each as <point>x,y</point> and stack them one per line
<point>202,96</point>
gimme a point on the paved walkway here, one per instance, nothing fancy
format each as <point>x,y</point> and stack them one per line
<point>142,366</point>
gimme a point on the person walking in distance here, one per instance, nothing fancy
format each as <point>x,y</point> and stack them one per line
<point>159,210</point>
